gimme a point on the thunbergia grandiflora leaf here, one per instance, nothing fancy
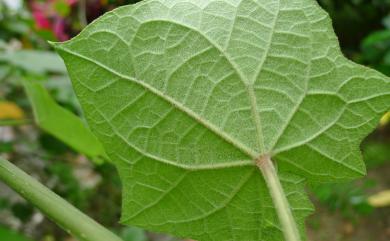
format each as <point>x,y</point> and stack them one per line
<point>187,96</point>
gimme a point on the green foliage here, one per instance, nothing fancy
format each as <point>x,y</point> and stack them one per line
<point>61,123</point>
<point>376,50</point>
<point>133,234</point>
<point>8,235</point>
<point>34,61</point>
<point>349,198</point>
<point>376,153</point>
<point>13,22</point>
<point>23,211</point>
<point>185,96</point>
<point>355,19</point>
<point>68,185</point>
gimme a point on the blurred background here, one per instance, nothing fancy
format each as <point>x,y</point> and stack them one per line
<point>358,211</point>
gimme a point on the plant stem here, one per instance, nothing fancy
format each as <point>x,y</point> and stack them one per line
<point>83,13</point>
<point>60,211</point>
<point>289,226</point>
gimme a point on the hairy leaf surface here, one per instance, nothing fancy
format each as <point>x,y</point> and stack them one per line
<point>186,95</point>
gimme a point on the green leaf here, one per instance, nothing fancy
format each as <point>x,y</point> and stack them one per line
<point>62,123</point>
<point>187,95</point>
<point>133,234</point>
<point>4,71</point>
<point>376,46</point>
<point>34,61</point>
<point>9,235</point>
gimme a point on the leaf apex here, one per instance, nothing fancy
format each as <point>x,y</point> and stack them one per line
<point>54,44</point>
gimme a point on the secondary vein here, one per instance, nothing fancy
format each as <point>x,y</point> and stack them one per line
<point>229,139</point>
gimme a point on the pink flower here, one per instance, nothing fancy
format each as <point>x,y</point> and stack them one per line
<point>47,18</point>
<point>59,29</point>
<point>71,2</point>
<point>41,21</point>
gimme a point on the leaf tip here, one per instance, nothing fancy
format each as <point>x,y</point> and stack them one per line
<point>54,44</point>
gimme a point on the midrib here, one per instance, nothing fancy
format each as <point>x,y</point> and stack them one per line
<point>249,85</point>
<point>208,125</point>
<point>251,91</point>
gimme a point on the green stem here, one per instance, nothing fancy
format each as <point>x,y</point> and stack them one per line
<point>60,211</point>
<point>289,226</point>
<point>83,13</point>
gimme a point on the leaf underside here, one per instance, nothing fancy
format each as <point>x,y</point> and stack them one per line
<point>185,95</point>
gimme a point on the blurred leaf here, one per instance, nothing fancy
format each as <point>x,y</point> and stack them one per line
<point>23,211</point>
<point>349,198</point>
<point>13,5</point>
<point>18,27</point>
<point>61,89</point>
<point>68,186</point>
<point>386,58</point>
<point>376,45</point>
<point>52,145</point>
<point>375,153</point>
<point>45,34</point>
<point>385,119</point>
<point>62,8</point>
<point>9,110</point>
<point>381,199</point>
<point>60,122</point>
<point>34,61</point>
<point>9,235</point>
<point>4,71</point>
<point>6,147</point>
<point>386,21</point>
<point>133,234</point>
<point>4,203</point>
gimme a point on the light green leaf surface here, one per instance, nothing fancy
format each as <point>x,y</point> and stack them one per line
<point>62,123</point>
<point>186,95</point>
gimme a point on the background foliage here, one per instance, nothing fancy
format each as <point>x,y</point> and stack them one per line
<point>351,211</point>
